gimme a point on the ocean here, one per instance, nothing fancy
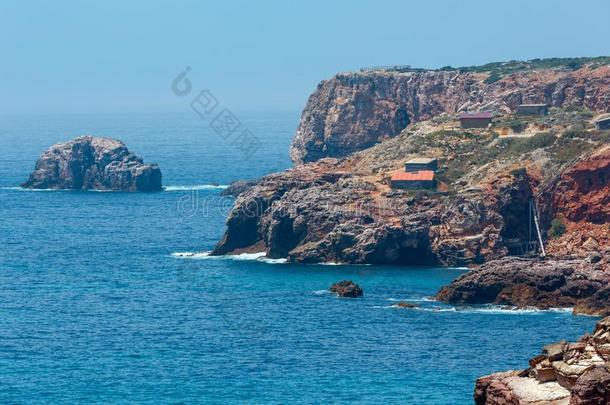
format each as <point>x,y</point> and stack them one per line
<point>101,301</point>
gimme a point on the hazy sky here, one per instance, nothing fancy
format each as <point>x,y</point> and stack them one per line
<point>120,55</point>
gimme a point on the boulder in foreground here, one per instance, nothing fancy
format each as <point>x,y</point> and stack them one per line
<point>565,373</point>
<point>93,163</point>
<point>347,288</point>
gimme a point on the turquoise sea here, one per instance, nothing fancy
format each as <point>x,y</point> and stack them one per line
<point>97,305</point>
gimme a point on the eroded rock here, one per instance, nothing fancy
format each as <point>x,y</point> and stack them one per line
<point>565,373</point>
<point>554,283</point>
<point>237,187</point>
<point>95,163</point>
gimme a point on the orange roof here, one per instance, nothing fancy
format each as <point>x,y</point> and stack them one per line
<point>413,176</point>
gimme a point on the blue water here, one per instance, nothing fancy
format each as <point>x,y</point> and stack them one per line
<point>95,309</point>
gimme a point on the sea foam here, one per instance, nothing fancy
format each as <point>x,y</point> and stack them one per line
<point>258,256</point>
<point>196,187</point>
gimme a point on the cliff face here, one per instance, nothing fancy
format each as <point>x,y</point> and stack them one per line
<point>93,163</point>
<point>343,210</point>
<point>353,111</point>
<point>579,274</point>
<point>325,214</point>
<point>566,373</point>
<point>583,193</point>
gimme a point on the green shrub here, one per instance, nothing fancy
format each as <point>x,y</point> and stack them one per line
<point>575,131</point>
<point>580,111</point>
<point>566,149</point>
<point>574,65</point>
<point>493,77</point>
<point>517,126</point>
<point>558,228</point>
<point>517,146</point>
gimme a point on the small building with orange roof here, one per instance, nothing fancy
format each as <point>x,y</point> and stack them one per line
<point>413,180</point>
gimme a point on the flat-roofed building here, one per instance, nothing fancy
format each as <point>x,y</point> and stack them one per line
<point>533,109</point>
<point>413,180</point>
<point>421,163</point>
<point>476,120</point>
<point>603,122</point>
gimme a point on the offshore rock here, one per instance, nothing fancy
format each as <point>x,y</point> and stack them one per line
<point>93,163</point>
<point>346,288</point>
<point>565,373</point>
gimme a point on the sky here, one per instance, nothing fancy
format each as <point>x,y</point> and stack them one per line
<point>122,56</point>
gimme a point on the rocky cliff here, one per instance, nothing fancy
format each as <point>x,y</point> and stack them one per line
<point>343,210</point>
<point>89,162</point>
<point>578,275</point>
<point>565,373</point>
<point>353,111</point>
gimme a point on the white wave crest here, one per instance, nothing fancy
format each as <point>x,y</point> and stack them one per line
<point>192,255</point>
<point>196,187</point>
<point>258,256</point>
<point>419,299</point>
<point>322,292</point>
<point>496,310</point>
<point>17,188</point>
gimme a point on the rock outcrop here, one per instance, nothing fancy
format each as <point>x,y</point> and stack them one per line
<point>564,374</point>
<point>353,111</point>
<point>554,283</point>
<point>237,187</point>
<point>347,289</point>
<point>95,163</point>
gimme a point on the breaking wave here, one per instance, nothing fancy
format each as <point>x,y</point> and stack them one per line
<point>489,310</point>
<point>196,187</point>
<point>17,188</point>
<point>322,292</point>
<point>259,256</point>
<point>418,299</point>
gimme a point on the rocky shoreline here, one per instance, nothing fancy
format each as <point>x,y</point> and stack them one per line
<point>565,373</point>
<point>582,284</point>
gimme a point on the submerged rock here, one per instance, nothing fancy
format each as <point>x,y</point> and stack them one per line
<point>565,373</point>
<point>93,163</point>
<point>347,288</point>
<point>404,304</point>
